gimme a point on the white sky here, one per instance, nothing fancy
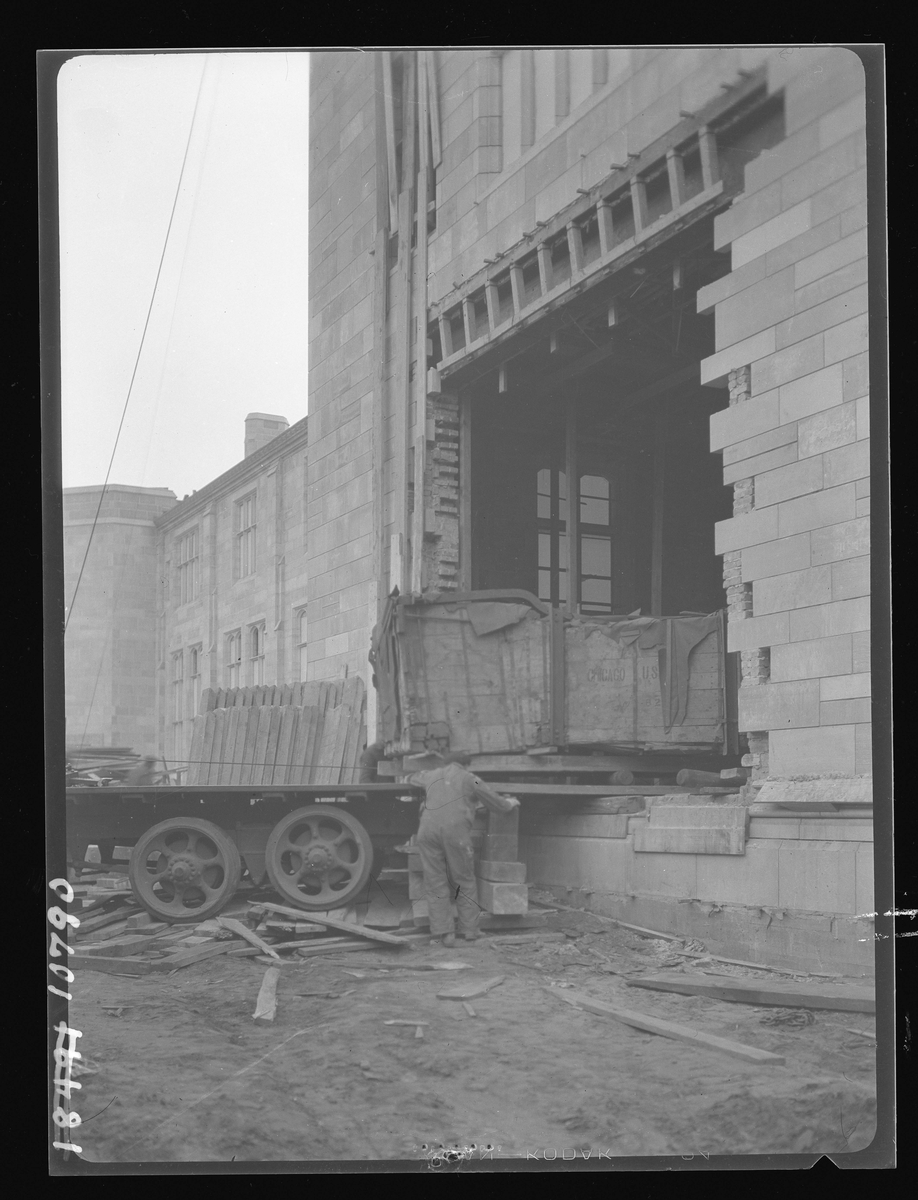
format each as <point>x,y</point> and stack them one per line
<point>228,329</point>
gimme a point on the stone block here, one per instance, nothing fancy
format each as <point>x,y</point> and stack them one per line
<point>847,539</point>
<point>592,825</point>
<point>723,879</point>
<point>776,161</point>
<point>826,316</point>
<point>501,872</point>
<point>828,749</point>
<point>863,758</point>
<point>771,439</point>
<point>744,421</point>
<point>827,430</point>
<point>829,620</point>
<point>863,418</point>
<point>779,705</point>
<point>847,463</point>
<point>830,507</point>
<point>854,791</point>
<point>755,632</point>
<point>776,558</point>
<point>503,898</point>
<point>822,170</point>
<point>500,847</point>
<point>714,370</point>
<point>862,507</point>
<point>860,651</point>
<point>848,194</point>
<point>779,229</point>
<point>853,218</point>
<point>755,308</point>
<point>746,215</point>
<point>662,873</point>
<point>729,285</point>
<point>803,358</point>
<point>844,712</point>
<point>693,829</point>
<point>783,483</point>
<point>769,461</point>
<point>815,876</point>
<point>845,687</point>
<point>747,529</point>
<point>811,93</point>
<point>831,259</point>
<point>851,578</point>
<point>864,872</point>
<point>500,824</point>
<point>822,233</point>
<point>795,589</point>
<point>849,338</point>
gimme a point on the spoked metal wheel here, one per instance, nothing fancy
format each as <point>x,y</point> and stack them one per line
<point>184,869</point>
<point>319,858</point>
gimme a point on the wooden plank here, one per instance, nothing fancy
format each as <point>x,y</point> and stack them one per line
<point>207,700</point>
<point>207,747</point>
<point>266,1004</point>
<point>238,697</point>
<point>325,768</point>
<point>837,997</point>
<point>187,958</point>
<point>216,754</point>
<point>345,716</point>
<point>194,754</point>
<point>248,746</point>
<point>285,741</point>
<point>469,991</point>
<point>261,744</point>
<point>274,729</point>
<point>111,966</point>
<point>332,923</point>
<point>110,918</point>
<point>229,745</point>
<point>679,1033</point>
<point>306,753</point>
<point>238,754</point>
<point>243,931</point>
<point>119,947</point>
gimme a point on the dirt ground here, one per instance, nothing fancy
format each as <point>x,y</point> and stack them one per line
<point>184,1075</point>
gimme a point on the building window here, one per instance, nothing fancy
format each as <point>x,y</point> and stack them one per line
<point>593,590</point>
<point>595,545</point>
<point>551,512</point>
<point>178,682</point>
<point>194,670</point>
<point>257,655</point>
<point>301,642</point>
<point>233,658</point>
<point>187,560</point>
<point>245,536</point>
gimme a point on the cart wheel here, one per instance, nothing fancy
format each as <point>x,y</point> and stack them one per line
<point>319,858</point>
<point>184,869</point>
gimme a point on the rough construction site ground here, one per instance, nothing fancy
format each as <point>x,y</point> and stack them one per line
<point>175,1069</point>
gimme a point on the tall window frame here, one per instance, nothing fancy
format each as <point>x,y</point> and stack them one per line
<point>195,654</point>
<point>233,646</point>
<point>256,654</point>
<point>245,524</point>
<point>302,647</point>
<point>178,687</point>
<point>188,566</point>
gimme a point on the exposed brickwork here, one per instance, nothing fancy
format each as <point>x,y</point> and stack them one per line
<point>441,496</point>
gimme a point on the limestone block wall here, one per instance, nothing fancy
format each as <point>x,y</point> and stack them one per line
<point>109,643</point>
<point>342,229</point>
<point>791,346</point>
<point>271,597</point>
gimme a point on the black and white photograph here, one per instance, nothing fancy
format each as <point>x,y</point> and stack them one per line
<point>468,643</point>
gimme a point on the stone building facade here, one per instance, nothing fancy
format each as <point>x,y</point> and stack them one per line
<point>644,270</point>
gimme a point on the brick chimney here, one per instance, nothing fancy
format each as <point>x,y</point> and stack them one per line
<point>261,428</point>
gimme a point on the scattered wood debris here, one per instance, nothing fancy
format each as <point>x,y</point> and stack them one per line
<point>680,1033</point>
<point>468,991</point>
<point>266,1004</point>
<point>243,931</point>
<point>784,994</point>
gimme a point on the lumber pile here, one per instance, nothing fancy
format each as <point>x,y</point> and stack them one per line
<point>301,733</point>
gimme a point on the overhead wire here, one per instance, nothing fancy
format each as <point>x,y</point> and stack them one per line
<point>143,335</point>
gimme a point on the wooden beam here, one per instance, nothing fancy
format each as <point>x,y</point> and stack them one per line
<point>575,248</point>
<point>266,1004</point>
<point>639,204</point>
<point>493,305</point>
<point>375,935</point>
<point>707,145</point>
<point>543,253</point>
<point>516,288</point>
<point>659,495</point>
<point>679,1033</point>
<point>604,217</point>
<point>434,101</point>
<point>830,996</point>
<point>572,471</point>
<point>392,172</point>
<point>676,172</point>
<point>466,548</point>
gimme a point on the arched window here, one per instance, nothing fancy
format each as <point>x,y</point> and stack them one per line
<point>257,655</point>
<point>301,642</point>
<point>233,658</point>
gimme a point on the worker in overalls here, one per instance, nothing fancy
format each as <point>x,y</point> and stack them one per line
<point>444,841</point>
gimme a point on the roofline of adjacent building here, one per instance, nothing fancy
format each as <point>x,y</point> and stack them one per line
<point>289,440</point>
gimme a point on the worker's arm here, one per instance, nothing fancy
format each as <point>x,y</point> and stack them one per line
<point>493,800</point>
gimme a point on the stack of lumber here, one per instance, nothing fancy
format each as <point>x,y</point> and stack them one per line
<point>303,733</point>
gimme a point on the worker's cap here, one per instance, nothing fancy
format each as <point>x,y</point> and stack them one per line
<point>424,762</point>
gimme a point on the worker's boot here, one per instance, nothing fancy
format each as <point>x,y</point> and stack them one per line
<point>472,935</point>
<point>445,939</point>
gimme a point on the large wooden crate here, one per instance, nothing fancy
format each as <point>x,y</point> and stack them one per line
<point>491,673</point>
